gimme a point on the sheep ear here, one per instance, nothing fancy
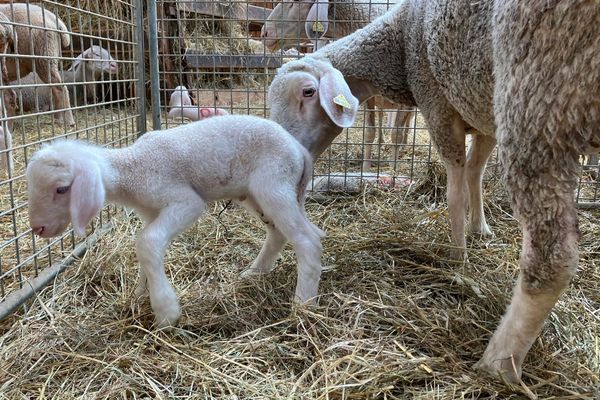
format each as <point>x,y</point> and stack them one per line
<point>87,195</point>
<point>336,99</point>
<point>317,20</point>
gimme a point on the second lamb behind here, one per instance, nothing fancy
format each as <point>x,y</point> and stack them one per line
<point>168,177</point>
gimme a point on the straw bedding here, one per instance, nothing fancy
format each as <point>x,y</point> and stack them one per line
<point>396,318</point>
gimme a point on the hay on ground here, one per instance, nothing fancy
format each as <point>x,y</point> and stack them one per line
<point>396,318</point>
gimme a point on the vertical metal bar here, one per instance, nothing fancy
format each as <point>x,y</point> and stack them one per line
<point>154,78</point>
<point>141,66</point>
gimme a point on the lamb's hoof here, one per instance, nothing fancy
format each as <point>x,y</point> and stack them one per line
<point>167,317</point>
<point>505,369</point>
<point>140,290</point>
<point>251,272</point>
<point>458,255</point>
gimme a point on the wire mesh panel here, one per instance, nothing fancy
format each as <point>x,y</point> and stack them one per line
<point>225,55</point>
<point>71,72</point>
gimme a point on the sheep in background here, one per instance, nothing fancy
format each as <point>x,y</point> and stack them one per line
<point>248,159</point>
<point>293,21</point>
<point>8,37</point>
<point>8,98</point>
<point>87,68</point>
<point>182,107</point>
<point>524,73</point>
<point>6,161</point>
<point>46,44</point>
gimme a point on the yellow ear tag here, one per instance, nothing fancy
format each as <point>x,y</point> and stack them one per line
<point>340,100</point>
<point>318,27</point>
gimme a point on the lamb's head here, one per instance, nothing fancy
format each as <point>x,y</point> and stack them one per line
<point>99,59</point>
<point>180,97</point>
<point>312,101</point>
<point>293,21</point>
<point>63,185</point>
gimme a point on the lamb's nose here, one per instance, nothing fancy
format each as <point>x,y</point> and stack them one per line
<point>263,32</point>
<point>38,230</point>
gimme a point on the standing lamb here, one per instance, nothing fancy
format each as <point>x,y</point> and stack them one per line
<point>244,158</point>
<point>89,67</point>
<point>47,37</point>
<point>524,73</point>
<point>182,107</point>
<point>293,21</point>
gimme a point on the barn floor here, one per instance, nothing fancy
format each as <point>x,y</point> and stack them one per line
<point>396,318</point>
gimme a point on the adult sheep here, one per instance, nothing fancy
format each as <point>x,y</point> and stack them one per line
<point>293,21</point>
<point>523,73</point>
<point>40,33</point>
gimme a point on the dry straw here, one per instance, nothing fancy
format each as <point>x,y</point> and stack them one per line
<point>396,318</point>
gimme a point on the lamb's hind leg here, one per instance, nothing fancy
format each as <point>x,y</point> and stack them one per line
<point>290,219</point>
<point>479,152</point>
<point>273,245</point>
<point>542,198</point>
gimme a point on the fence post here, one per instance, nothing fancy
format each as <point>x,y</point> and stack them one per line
<point>154,78</point>
<point>141,67</point>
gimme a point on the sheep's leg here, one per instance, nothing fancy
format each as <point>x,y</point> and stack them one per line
<point>48,71</point>
<point>150,249</point>
<point>479,152</point>
<point>288,217</point>
<point>541,182</point>
<point>548,260</point>
<point>448,134</point>
<point>400,132</point>
<point>369,133</point>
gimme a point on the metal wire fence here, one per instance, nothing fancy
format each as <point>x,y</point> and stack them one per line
<point>215,50</point>
<point>72,71</point>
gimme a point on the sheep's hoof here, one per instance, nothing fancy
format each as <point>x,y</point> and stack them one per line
<point>505,369</point>
<point>482,230</point>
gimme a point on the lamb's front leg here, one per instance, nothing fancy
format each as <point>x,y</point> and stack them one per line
<point>150,248</point>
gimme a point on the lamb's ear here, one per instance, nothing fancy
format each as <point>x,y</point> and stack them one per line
<point>87,195</point>
<point>336,98</point>
<point>317,20</point>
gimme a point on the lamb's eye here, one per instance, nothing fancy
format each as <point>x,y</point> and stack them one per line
<point>63,189</point>
<point>308,92</point>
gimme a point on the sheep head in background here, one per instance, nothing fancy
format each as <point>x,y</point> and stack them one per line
<point>100,58</point>
<point>63,189</point>
<point>182,107</point>
<point>312,100</point>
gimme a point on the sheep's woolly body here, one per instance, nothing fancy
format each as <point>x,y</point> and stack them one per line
<point>524,73</point>
<point>46,43</point>
<point>168,177</point>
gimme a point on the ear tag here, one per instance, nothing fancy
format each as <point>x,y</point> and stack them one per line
<point>340,100</point>
<point>318,27</point>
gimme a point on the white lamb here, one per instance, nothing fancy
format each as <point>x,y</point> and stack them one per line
<point>168,177</point>
<point>182,107</point>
